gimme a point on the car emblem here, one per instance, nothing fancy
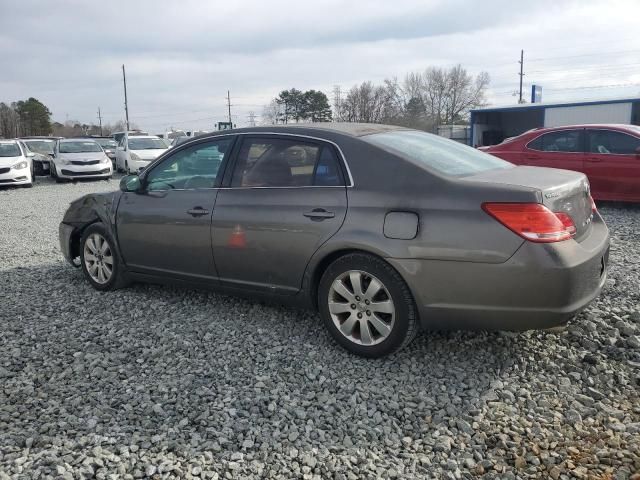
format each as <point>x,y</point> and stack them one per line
<point>552,195</point>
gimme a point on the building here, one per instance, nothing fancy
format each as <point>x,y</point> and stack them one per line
<point>490,126</point>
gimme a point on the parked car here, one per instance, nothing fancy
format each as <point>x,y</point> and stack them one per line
<point>16,165</point>
<point>117,136</point>
<point>42,147</point>
<point>109,146</point>
<point>608,154</point>
<point>134,153</point>
<point>75,158</point>
<point>383,229</point>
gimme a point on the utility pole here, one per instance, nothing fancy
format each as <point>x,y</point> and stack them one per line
<point>521,62</point>
<point>100,120</point>
<point>229,107</point>
<point>126,105</point>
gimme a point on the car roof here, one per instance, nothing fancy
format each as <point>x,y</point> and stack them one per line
<point>614,126</point>
<point>77,139</point>
<point>342,128</point>
<point>143,136</point>
<point>8,140</point>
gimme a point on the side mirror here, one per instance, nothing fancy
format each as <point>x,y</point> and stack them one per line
<point>130,183</point>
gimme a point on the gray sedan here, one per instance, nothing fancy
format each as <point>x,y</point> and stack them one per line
<point>384,230</point>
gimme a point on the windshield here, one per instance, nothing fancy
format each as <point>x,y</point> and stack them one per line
<point>437,153</point>
<point>40,146</point>
<point>146,144</point>
<point>9,150</point>
<point>106,142</point>
<point>80,146</point>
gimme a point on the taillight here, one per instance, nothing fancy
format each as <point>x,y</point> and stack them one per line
<point>532,221</point>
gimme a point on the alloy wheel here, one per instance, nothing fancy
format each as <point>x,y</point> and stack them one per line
<point>361,308</point>
<point>98,258</point>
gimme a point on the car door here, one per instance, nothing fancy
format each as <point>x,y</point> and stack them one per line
<point>284,198</point>
<point>556,149</point>
<point>612,164</point>
<point>165,229</point>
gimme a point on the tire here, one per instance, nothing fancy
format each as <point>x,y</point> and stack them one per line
<point>399,317</point>
<point>90,248</point>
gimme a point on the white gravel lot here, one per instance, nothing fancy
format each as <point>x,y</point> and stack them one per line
<point>161,382</point>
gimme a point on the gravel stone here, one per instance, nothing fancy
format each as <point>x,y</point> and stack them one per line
<point>167,382</point>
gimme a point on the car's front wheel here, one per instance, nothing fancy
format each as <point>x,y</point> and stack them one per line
<point>366,305</point>
<point>100,260</point>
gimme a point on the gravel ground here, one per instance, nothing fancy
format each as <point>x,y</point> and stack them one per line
<point>161,382</point>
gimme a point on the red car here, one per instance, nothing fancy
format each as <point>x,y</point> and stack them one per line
<point>608,154</point>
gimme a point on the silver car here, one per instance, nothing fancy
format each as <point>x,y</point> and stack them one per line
<point>383,230</point>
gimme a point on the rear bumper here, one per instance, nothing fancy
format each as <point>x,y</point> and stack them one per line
<point>540,286</point>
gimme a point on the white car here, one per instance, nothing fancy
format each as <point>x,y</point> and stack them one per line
<point>75,158</point>
<point>16,164</point>
<point>134,153</point>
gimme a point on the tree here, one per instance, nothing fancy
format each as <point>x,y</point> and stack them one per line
<point>272,113</point>
<point>9,121</point>
<point>448,95</point>
<point>292,101</point>
<point>316,106</point>
<point>366,103</point>
<point>35,117</point>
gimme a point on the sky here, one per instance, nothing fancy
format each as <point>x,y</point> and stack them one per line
<point>182,57</point>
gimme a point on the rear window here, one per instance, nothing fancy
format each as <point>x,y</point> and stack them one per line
<point>437,153</point>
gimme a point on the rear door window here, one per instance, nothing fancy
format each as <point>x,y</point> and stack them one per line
<point>284,162</point>
<point>567,141</point>
<point>612,142</point>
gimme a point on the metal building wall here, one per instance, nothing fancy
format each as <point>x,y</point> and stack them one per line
<point>600,113</point>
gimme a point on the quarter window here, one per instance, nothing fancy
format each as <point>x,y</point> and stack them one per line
<point>567,141</point>
<point>192,168</point>
<point>278,162</point>
<point>611,142</point>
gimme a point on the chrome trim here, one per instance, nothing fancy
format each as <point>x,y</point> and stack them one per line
<point>344,160</point>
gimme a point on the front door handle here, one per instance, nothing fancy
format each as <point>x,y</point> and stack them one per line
<point>197,211</point>
<point>319,214</point>
<point>593,159</point>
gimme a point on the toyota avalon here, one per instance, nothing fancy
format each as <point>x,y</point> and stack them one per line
<point>384,230</point>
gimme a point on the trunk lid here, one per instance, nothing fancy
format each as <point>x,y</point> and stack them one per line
<point>558,190</point>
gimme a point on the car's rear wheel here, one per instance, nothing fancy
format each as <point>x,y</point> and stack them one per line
<point>99,259</point>
<point>366,305</point>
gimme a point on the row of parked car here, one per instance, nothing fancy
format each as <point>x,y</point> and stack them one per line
<point>23,159</point>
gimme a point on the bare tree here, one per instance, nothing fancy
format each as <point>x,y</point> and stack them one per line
<point>272,113</point>
<point>366,103</point>
<point>449,95</point>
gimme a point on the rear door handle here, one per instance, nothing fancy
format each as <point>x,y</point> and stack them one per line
<point>319,214</point>
<point>593,159</point>
<point>197,211</point>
